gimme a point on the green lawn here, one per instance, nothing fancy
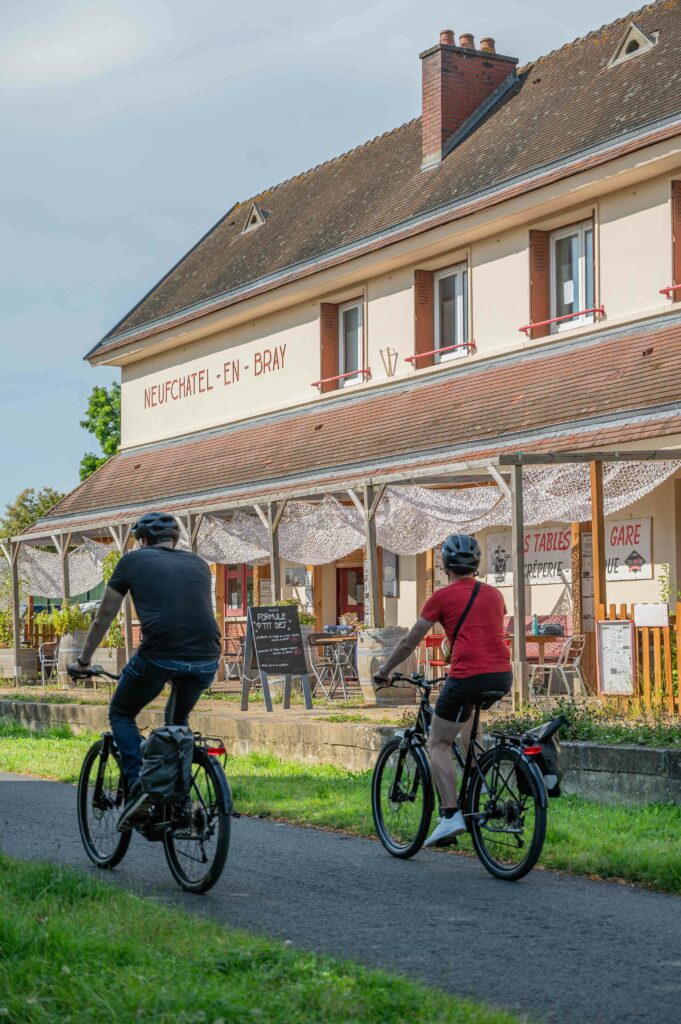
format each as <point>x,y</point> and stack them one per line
<point>74,951</point>
<point>640,844</point>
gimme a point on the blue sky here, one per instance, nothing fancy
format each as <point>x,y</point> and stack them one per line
<point>129,128</point>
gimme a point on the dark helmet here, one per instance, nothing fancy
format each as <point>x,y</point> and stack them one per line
<point>461,553</point>
<point>156,527</point>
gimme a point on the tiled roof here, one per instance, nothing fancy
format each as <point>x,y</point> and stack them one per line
<point>564,104</point>
<point>604,389</point>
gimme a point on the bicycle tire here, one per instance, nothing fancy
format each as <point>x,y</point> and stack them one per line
<point>514,794</point>
<point>393,756</point>
<point>210,815</point>
<point>108,847</point>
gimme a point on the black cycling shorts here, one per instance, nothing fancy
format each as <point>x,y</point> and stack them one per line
<point>458,696</point>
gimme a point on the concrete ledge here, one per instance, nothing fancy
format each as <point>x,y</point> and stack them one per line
<point>609,774</point>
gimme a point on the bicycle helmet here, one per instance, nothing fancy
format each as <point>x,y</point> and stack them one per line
<point>461,553</point>
<point>156,527</point>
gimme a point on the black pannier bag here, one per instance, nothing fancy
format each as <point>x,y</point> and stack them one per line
<point>167,763</point>
<point>549,761</point>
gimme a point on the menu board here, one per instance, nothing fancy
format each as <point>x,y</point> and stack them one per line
<point>277,639</point>
<point>616,657</point>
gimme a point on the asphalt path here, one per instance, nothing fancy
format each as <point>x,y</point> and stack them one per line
<point>556,947</point>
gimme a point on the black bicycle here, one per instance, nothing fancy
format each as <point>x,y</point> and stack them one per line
<point>502,795</point>
<point>195,832</point>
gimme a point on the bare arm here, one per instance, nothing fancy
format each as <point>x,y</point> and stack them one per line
<point>405,647</point>
<point>106,613</point>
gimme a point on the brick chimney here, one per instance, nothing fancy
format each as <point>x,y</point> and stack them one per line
<point>458,82</point>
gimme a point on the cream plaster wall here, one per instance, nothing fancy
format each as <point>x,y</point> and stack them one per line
<point>634,228</point>
<point>403,610</point>
<point>500,291</point>
<point>390,323</point>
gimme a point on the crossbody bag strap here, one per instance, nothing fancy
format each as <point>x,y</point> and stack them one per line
<point>471,599</point>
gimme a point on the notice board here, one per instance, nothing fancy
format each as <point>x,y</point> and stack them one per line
<point>275,642</point>
<point>616,650</point>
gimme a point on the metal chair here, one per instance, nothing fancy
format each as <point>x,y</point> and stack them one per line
<point>434,643</point>
<point>48,653</point>
<point>322,663</point>
<point>343,653</point>
<point>569,661</point>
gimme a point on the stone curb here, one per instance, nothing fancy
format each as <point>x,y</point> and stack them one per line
<point>610,774</point>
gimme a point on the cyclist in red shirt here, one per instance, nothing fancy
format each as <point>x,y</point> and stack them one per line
<point>472,616</point>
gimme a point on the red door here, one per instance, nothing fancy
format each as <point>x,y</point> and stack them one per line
<point>350,591</point>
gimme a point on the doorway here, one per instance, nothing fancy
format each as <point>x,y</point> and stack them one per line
<point>350,591</point>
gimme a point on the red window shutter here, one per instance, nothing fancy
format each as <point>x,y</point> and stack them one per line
<point>424,317</point>
<point>328,322</point>
<point>540,293</point>
<point>676,235</point>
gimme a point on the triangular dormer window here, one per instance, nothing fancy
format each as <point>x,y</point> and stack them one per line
<point>634,43</point>
<point>255,218</point>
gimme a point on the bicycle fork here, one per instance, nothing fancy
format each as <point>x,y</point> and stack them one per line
<point>99,801</point>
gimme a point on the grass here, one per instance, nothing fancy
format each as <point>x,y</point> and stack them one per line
<point>130,959</point>
<point>639,844</point>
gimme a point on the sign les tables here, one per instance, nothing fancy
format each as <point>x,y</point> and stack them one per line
<point>275,641</point>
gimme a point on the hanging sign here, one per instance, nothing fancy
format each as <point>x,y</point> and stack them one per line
<point>548,553</point>
<point>274,638</point>
<point>548,556</point>
<point>616,647</point>
<point>628,554</point>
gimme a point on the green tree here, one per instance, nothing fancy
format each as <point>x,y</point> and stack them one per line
<point>28,506</point>
<point>103,419</point>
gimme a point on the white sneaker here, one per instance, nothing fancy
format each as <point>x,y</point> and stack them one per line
<point>446,830</point>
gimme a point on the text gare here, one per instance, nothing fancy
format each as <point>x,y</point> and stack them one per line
<point>200,382</point>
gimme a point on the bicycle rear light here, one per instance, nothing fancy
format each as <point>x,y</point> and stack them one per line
<point>532,751</point>
<point>216,751</point>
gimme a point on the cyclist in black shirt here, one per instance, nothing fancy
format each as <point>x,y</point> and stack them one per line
<point>171,591</point>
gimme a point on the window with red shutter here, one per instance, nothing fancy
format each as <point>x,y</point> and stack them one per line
<point>328,324</point>
<point>424,317</point>
<point>540,289</point>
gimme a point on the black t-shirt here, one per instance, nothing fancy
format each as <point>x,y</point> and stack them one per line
<point>171,591</point>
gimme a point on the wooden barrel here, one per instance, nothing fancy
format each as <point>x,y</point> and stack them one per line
<point>373,648</point>
<point>70,646</point>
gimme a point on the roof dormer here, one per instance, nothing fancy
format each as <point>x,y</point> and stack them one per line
<point>634,43</point>
<point>255,218</point>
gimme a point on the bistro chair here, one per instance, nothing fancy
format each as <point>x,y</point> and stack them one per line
<point>47,659</point>
<point>569,662</point>
<point>322,663</point>
<point>343,653</point>
<point>434,655</point>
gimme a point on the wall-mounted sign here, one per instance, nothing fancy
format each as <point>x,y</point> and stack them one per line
<point>656,614</point>
<point>548,553</point>
<point>440,577</point>
<point>391,575</point>
<point>616,648</point>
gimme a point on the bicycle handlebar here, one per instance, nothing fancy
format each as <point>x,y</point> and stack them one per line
<point>88,673</point>
<point>415,679</point>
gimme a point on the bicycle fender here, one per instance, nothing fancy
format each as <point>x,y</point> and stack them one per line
<point>224,793</point>
<point>535,771</point>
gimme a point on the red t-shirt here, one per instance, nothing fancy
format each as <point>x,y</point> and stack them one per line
<point>480,646</point>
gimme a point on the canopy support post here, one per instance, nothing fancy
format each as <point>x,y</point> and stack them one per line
<point>121,536</point>
<point>271,520</point>
<point>372,497</point>
<point>11,549</point>
<point>194,520</point>
<point>520,680</point>
<point>598,534</point>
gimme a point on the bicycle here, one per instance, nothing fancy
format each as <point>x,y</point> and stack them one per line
<point>503,796</point>
<point>193,832</point>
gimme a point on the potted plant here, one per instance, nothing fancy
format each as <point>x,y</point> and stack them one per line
<point>70,625</point>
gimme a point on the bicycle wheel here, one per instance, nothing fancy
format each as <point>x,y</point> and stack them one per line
<point>102,790</point>
<point>508,816</point>
<point>402,798</point>
<point>197,841</point>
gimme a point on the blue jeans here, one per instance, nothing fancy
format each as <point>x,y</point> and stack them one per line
<point>140,682</point>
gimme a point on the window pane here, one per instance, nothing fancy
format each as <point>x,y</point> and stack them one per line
<point>351,332</point>
<point>566,254</point>
<point>447,298</point>
<point>235,598</point>
<point>589,269</point>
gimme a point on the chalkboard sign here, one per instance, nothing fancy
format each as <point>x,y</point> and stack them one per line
<point>616,650</point>
<point>278,640</point>
<point>273,636</point>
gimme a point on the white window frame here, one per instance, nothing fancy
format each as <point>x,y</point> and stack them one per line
<point>568,232</point>
<point>356,378</point>
<point>460,272</point>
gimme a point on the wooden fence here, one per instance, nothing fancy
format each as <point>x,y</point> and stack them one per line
<point>657,651</point>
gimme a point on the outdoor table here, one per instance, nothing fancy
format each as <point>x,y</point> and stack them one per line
<point>541,642</point>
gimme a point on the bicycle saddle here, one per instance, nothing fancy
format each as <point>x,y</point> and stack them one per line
<point>488,698</point>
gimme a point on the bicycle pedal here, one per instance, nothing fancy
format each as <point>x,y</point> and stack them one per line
<point>447,841</point>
